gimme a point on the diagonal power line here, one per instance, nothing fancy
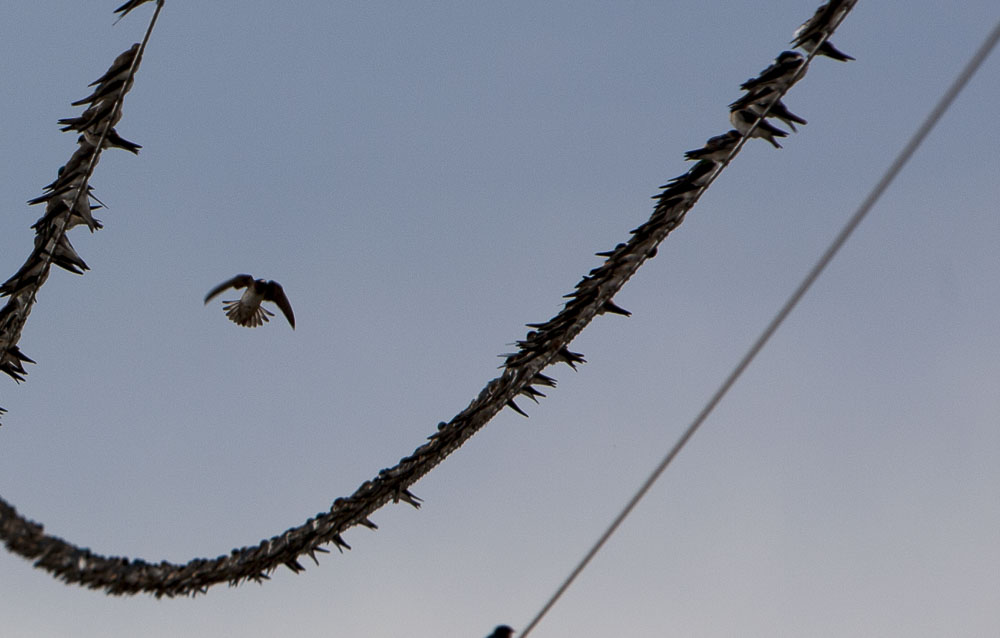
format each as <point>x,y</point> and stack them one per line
<point>838,242</point>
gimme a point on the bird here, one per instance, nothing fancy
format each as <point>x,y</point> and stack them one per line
<point>63,253</point>
<point>502,631</point>
<point>59,202</point>
<point>743,119</point>
<point>820,22</point>
<point>758,99</point>
<point>81,214</point>
<point>128,6</point>
<point>95,115</point>
<point>10,363</point>
<point>826,48</point>
<point>33,270</point>
<point>812,30</point>
<point>785,66</point>
<point>119,67</point>
<point>716,148</point>
<point>247,311</point>
<point>112,139</point>
<point>697,176</point>
<point>106,90</point>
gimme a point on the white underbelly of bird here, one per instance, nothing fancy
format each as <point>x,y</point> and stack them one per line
<point>247,311</point>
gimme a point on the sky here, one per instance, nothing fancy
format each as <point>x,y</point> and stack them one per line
<point>425,178</point>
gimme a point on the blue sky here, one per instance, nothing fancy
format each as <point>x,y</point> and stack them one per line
<point>425,178</point>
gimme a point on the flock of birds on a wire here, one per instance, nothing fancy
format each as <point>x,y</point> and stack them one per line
<point>68,203</point>
<point>748,115</point>
<point>67,207</point>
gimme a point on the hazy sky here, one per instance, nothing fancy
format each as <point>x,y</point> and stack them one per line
<point>425,178</point>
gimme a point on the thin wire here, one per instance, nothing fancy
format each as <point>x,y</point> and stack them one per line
<point>81,189</point>
<point>897,165</point>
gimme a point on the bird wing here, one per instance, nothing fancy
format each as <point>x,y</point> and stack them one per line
<point>128,6</point>
<point>274,292</point>
<point>121,64</point>
<point>239,281</point>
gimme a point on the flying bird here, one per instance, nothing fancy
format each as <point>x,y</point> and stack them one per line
<point>247,311</point>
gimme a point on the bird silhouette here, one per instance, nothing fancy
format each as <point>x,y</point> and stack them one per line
<point>247,310</point>
<point>128,6</point>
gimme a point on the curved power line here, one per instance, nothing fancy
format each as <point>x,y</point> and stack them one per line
<point>544,344</point>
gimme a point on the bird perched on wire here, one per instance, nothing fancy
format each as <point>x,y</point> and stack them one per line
<point>119,68</point>
<point>822,20</point>
<point>716,148</point>
<point>812,30</point>
<point>503,631</point>
<point>778,75</point>
<point>826,49</point>
<point>128,6</point>
<point>743,119</point>
<point>767,96</point>
<point>247,310</point>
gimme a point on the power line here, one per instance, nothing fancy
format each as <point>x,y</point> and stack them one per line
<point>879,189</point>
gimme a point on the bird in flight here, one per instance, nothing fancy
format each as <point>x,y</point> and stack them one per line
<point>247,311</point>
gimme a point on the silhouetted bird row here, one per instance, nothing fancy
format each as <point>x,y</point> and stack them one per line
<point>764,91</point>
<point>97,123</point>
<point>67,205</point>
<point>762,97</point>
